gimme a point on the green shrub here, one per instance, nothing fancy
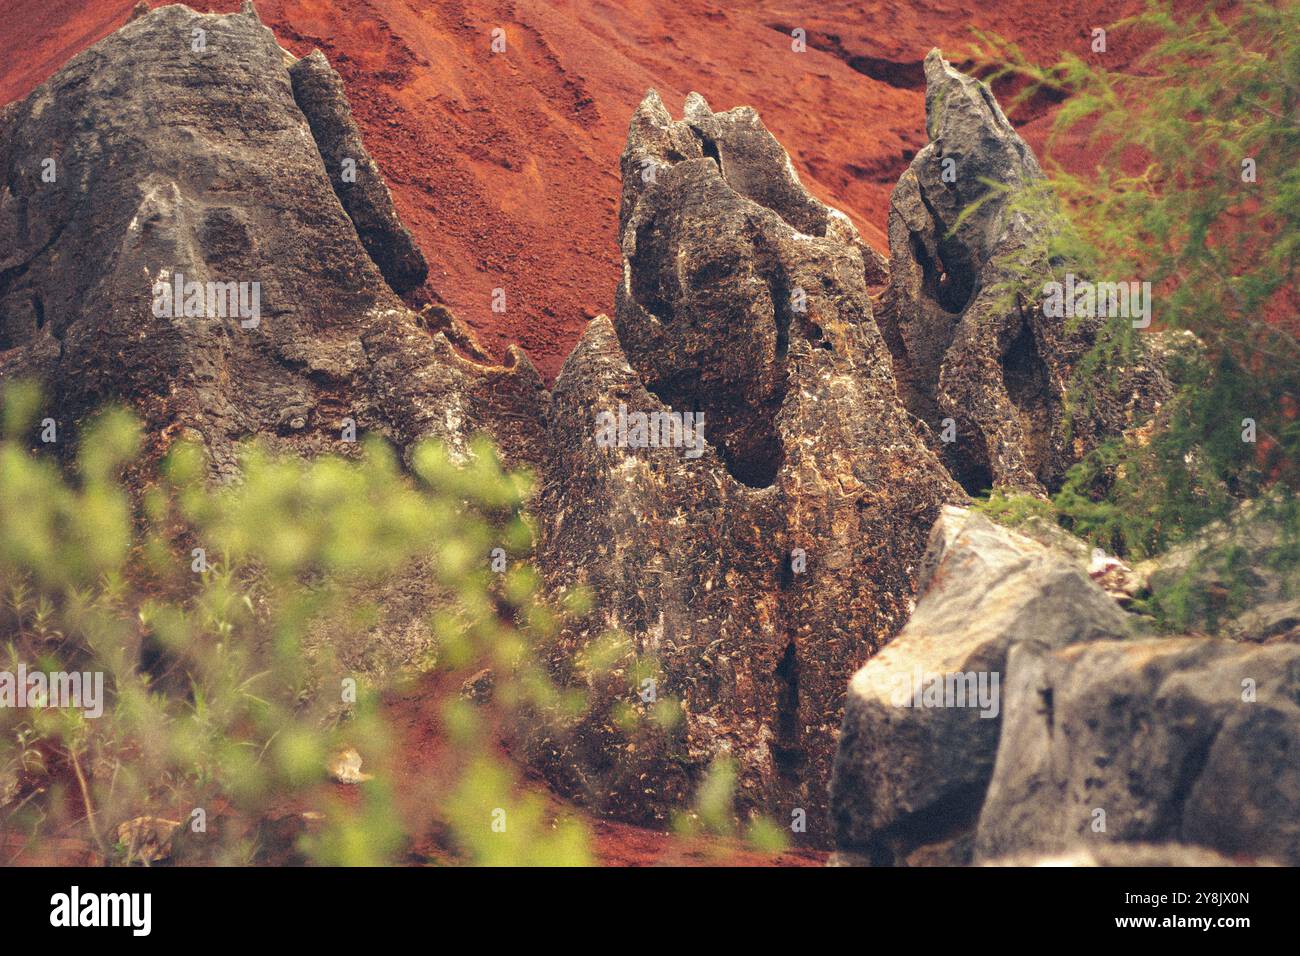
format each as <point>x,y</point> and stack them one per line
<point>225,693</point>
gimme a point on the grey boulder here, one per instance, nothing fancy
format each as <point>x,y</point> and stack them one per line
<point>1183,740</point>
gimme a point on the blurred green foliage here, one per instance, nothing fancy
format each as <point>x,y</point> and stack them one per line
<point>212,610</point>
<point>236,626</point>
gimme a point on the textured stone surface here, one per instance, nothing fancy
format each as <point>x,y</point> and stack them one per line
<point>908,776</point>
<point>967,345</point>
<point>1160,736</point>
<point>174,160</point>
<point>1122,854</point>
<point>755,577</point>
<point>1106,854</point>
<point>171,160</point>
<point>808,447</point>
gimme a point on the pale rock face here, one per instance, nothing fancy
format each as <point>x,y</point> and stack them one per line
<point>1124,854</point>
<point>923,716</point>
<point>1185,740</point>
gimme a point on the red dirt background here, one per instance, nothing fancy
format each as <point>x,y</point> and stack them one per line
<point>505,166</point>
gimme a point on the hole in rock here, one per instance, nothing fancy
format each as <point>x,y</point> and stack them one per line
<point>754,461</point>
<point>649,286</point>
<point>950,287</point>
<point>710,149</point>
<point>969,460</point>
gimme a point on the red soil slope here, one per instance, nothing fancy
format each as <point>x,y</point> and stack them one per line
<point>505,165</point>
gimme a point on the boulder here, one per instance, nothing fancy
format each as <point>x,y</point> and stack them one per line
<point>977,357</point>
<point>759,563</point>
<point>1098,855</point>
<point>1122,854</point>
<point>922,718</point>
<point>1184,740</point>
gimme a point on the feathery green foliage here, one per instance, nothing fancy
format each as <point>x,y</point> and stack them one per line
<point>1193,186</point>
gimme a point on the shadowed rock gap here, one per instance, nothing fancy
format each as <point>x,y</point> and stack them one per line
<point>648,282</point>
<point>355,177</point>
<point>788,750</point>
<point>1025,377</point>
<point>950,278</point>
<point>977,354</point>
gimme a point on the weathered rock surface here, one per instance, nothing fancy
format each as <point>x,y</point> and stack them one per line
<point>752,570</point>
<point>922,719</point>
<point>176,147</point>
<point>1111,574</point>
<point>745,300</point>
<point>1183,740</point>
<point>963,314</point>
<point>174,157</point>
<point>1106,854</point>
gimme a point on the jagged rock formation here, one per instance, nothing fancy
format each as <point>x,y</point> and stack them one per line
<point>1176,739</point>
<point>761,572</point>
<point>175,151</point>
<point>922,718</point>
<point>963,314</point>
<point>755,558</point>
